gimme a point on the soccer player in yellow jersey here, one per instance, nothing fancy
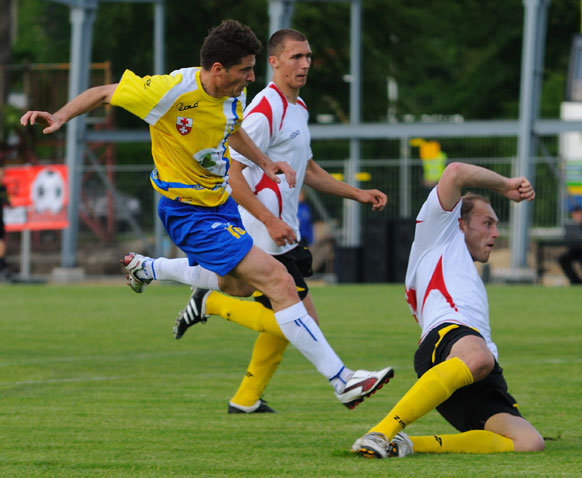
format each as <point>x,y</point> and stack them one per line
<point>194,114</point>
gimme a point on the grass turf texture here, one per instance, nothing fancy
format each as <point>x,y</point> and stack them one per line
<point>93,384</point>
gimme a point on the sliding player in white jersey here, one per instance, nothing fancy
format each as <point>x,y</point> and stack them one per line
<point>456,361</point>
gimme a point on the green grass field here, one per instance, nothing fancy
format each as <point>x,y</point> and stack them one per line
<point>93,384</point>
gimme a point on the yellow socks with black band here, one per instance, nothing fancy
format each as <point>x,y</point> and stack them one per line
<point>249,314</point>
<point>429,391</point>
<point>474,441</point>
<point>267,355</point>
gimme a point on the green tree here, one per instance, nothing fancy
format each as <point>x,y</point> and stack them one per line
<point>461,57</point>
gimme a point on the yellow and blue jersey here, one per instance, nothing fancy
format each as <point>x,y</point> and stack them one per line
<point>189,131</point>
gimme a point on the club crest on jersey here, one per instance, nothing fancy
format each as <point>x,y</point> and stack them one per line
<point>183,125</point>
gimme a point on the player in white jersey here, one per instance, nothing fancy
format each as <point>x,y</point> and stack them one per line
<point>441,274</point>
<point>456,360</point>
<point>279,127</point>
<point>277,122</point>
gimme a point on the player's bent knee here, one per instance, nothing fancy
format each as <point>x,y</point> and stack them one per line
<point>280,284</point>
<point>530,442</point>
<point>480,364</point>
<point>485,366</point>
<point>285,282</point>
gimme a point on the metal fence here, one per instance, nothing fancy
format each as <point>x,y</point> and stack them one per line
<point>135,198</point>
<point>117,207</point>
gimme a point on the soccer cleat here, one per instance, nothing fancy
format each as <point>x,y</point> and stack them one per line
<point>372,445</point>
<point>400,446</point>
<point>261,407</point>
<point>193,313</point>
<point>133,263</point>
<point>363,384</point>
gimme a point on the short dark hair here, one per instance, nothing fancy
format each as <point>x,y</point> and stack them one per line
<point>228,44</point>
<point>468,204</point>
<point>278,38</point>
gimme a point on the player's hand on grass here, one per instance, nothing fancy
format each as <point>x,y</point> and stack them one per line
<point>52,122</point>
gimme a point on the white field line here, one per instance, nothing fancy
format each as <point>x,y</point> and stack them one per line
<point>149,355</point>
<point>95,358</point>
<point>63,380</point>
<point>544,361</point>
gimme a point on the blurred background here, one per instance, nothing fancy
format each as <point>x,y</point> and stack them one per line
<point>397,89</point>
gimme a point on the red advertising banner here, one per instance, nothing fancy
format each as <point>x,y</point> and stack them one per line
<point>38,197</point>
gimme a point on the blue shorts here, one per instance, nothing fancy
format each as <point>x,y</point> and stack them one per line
<point>213,237</point>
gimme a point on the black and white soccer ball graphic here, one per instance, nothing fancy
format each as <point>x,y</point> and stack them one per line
<point>48,192</point>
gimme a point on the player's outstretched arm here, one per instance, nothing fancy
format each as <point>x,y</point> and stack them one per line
<point>456,176</point>
<point>79,105</point>
<point>319,179</point>
<point>244,145</point>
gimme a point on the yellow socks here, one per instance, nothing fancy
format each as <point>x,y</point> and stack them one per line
<point>474,441</point>
<point>268,349</point>
<point>266,357</point>
<point>249,314</point>
<point>429,391</point>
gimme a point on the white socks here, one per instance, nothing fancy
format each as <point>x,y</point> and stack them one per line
<point>207,279</point>
<point>178,270</point>
<point>306,336</point>
<point>295,323</point>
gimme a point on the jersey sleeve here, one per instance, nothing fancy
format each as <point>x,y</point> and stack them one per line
<point>436,225</point>
<point>256,125</point>
<point>140,95</point>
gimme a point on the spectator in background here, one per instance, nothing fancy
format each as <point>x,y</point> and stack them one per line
<point>305,220</point>
<point>4,271</point>
<point>574,253</point>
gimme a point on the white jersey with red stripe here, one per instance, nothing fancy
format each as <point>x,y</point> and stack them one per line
<point>279,129</point>
<point>442,283</point>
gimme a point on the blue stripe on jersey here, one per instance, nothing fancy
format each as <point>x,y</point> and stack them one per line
<point>234,103</point>
<point>235,118</point>
<point>165,185</point>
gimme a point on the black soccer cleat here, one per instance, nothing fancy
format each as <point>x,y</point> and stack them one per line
<point>193,313</point>
<point>262,408</point>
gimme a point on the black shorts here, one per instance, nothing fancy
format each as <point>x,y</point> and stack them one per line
<point>469,407</point>
<point>2,228</point>
<point>298,262</point>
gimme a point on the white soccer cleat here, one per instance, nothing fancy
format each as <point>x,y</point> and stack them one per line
<point>372,445</point>
<point>133,263</point>
<point>400,446</point>
<point>363,384</point>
